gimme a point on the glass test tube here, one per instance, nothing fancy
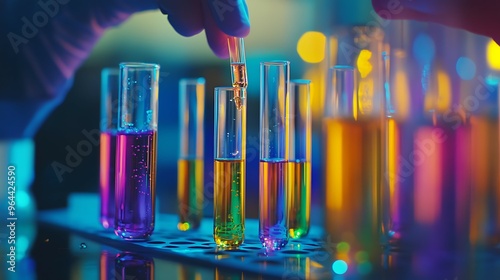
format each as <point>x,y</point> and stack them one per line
<point>238,63</point>
<point>229,167</point>
<point>273,227</point>
<point>190,163</point>
<point>108,125</point>
<point>352,143</point>
<point>136,151</point>
<point>299,161</point>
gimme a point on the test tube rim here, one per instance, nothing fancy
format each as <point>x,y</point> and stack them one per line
<point>140,65</point>
<point>300,82</point>
<point>192,81</point>
<point>110,71</point>
<point>275,63</point>
<point>342,68</point>
<point>218,89</point>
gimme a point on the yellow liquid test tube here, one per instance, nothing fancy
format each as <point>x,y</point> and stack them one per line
<point>238,63</point>
<point>190,163</point>
<point>229,167</point>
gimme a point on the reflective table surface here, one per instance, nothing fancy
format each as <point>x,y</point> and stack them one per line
<point>71,244</point>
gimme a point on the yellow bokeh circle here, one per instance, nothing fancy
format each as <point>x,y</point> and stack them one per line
<point>311,46</point>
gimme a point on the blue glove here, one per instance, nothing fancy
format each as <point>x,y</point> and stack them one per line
<point>43,43</point>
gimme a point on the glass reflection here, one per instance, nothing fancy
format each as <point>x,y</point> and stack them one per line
<point>131,266</point>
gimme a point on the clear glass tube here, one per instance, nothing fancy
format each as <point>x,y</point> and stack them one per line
<point>136,151</point>
<point>190,163</point>
<point>229,167</point>
<point>133,266</point>
<point>274,82</point>
<point>108,128</point>
<point>238,62</point>
<point>352,143</point>
<point>299,160</point>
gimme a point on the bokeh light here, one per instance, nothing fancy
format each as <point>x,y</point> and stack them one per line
<point>343,247</point>
<point>361,256</point>
<point>424,48</point>
<point>339,267</point>
<point>466,68</point>
<point>311,46</point>
<point>493,55</point>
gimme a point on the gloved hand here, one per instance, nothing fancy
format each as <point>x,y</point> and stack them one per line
<point>43,42</point>
<point>480,17</point>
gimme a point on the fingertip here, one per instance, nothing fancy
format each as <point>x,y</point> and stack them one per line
<point>184,28</point>
<point>218,44</point>
<point>232,19</point>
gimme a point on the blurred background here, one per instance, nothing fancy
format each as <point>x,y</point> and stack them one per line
<point>300,31</point>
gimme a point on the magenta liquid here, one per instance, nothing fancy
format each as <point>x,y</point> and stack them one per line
<point>135,184</point>
<point>107,177</point>
<point>426,196</point>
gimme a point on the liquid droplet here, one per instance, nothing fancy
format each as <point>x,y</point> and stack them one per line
<point>83,246</point>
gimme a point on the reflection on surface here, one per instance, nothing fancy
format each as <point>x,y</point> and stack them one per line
<point>131,266</point>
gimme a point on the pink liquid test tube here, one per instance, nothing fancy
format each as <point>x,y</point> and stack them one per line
<point>108,125</point>
<point>136,151</point>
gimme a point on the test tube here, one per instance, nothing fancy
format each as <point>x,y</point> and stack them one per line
<point>352,144</point>
<point>238,63</point>
<point>108,125</point>
<point>136,151</point>
<point>299,161</point>
<point>229,167</point>
<point>273,223</point>
<point>190,163</point>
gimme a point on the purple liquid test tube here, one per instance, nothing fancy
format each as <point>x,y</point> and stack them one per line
<point>136,151</point>
<point>108,125</point>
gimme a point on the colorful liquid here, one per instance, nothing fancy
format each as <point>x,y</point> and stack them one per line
<point>229,203</point>
<point>426,191</point>
<point>239,74</point>
<point>239,77</point>
<point>273,230</point>
<point>299,198</point>
<point>190,193</point>
<point>135,185</point>
<point>107,177</point>
<point>352,179</point>
<point>485,210</point>
<point>133,266</point>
